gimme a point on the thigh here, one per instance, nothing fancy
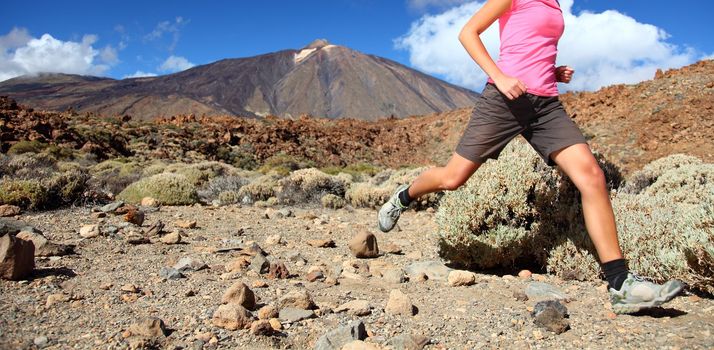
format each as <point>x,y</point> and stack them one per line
<point>495,122</point>
<point>552,129</point>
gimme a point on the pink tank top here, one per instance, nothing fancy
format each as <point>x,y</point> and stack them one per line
<point>529,32</point>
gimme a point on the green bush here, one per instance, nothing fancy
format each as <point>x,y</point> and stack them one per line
<point>113,176</point>
<point>28,194</point>
<point>283,164</point>
<point>309,185</point>
<point>26,146</point>
<point>166,188</point>
<point>691,183</point>
<point>358,171</point>
<point>260,188</point>
<point>376,191</point>
<point>222,186</point>
<point>511,211</point>
<point>332,201</point>
<point>642,179</point>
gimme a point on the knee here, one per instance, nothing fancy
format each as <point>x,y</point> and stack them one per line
<point>591,179</point>
<point>453,182</point>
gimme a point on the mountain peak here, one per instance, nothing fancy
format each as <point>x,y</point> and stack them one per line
<point>317,44</point>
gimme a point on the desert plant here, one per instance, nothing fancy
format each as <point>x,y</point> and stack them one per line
<point>260,188</point>
<point>692,183</point>
<point>332,201</point>
<point>167,188</point>
<point>27,146</point>
<point>513,209</point>
<point>112,176</point>
<point>222,186</point>
<point>308,185</point>
<point>376,191</point>
<point>283,164</point>
<point>642,179</point>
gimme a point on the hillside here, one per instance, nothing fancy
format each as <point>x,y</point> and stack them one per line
<point>321,79</point>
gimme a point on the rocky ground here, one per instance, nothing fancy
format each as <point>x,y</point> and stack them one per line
<point>98,297</point>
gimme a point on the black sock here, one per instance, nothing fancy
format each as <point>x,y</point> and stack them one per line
<point>404,197</point>
<point>615,272</point>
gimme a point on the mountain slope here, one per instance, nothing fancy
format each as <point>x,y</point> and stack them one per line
<point>321,79</point>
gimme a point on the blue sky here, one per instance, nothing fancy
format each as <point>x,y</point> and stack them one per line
<point>121,39</point>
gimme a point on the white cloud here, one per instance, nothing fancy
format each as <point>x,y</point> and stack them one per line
<point>167,27</point>
<point>175,64</point>
<point>604,48</point>
<point>709,57</point>
<point>139,74</point>
<point>21,54</point>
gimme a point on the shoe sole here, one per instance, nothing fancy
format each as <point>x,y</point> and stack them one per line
<point>621,309</point>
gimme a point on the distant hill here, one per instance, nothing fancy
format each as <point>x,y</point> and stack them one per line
<point>321,79</point>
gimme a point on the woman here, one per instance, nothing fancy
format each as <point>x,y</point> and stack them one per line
<point>521,98</point>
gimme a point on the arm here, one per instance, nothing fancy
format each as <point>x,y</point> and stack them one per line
<point>471,40</point>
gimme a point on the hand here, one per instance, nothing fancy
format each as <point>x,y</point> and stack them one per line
<point>564,74</point>
<point>510,86</point>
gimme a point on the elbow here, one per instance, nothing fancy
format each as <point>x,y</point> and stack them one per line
<point>467,35</point>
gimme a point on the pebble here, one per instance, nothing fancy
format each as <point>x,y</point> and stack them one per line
<point>274,240</point>
<point>525,274</point>
<point>89,231</point>
<point>291,314</point>
<point>278,270</point>
<point>321,243</point>
<point>41,341</point>
<point>355,307</point>
<point>337,338</point>
<point>239,294</point>
<point>267,312</point>
<point>232,317</point>
<point>135,217</point>
<point>190,264</point>
<point>172,238</point>
<point>261,327</point>
<point>259,264</point>
<point>187,224</point>
<point>149,202</point>
<point>551,315</point>
<point>394,276</point>
<point>461,278</point>
<point>399,304</point>
<point>364,245</point>
<point>297,299</point>
<point>170,273</point>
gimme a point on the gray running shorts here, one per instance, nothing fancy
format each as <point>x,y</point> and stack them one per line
<point>496,120</point>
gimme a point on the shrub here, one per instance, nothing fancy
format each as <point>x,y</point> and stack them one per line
<point>377,190</point>
<point>692,183</point>
<point>26,146</point>
<point>222,186</point>
<point>283,164</point>
<point>27,194</point>
<point>332,201</point>
<point>308,185</point>
<point>200,173</point>
<point>512,210</point>
<point>357,171</point>
<point>229,197</point>
<point>648,175</point>
<point>260,188</point>
<point>113,176</point>
<point>167,188</point>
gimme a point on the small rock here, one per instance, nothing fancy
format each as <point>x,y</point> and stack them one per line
<point>172,238</point>
<point>106,286</point>
<point>170,273</point>
<point>395,275</point>
<point>130,288</point>
<point>267,312</point>
<point>187,224</point>
<point>259,284</point>
<point>7,210</point>
<point>238,264</point>
<point>408,342</point>
<point>399,304</point>
<point>274,240</point>
<point>284,213</point>
<point>355,307</point>
<point>54,299</point>
<point>321,243</point>
<point>392,248</point>
<point>297,299</point>
<point>135,217</point>
<point>111,207</point>
<point>190,264</point>
<point>337,338</point>
<point>277,269</point>
<point>99,215</point>
<point>17,257</point>
<point>149,202</point>
<point>461,278</point>
<point>152,328</point>
<point>435,270</point>
<point>136,238</point>
<point>155,229</point>
<point>44,247</point>
<point>364,245</point>
<point>525,274</point>
<point>291,314</point>
<point>315,275</point>
<point>89,231</point>
<point>541,290</point>
<point>520,296</point>
<point>259,264</point>
<point>261,327</point>
<point>420,277</point>
<point>232,317</point>
<point>551,315</point>
<point>239,294</point>
<point>275,323</point>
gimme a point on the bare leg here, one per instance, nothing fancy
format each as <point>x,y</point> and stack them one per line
<point>450,177</point>
<point>578,162</point>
